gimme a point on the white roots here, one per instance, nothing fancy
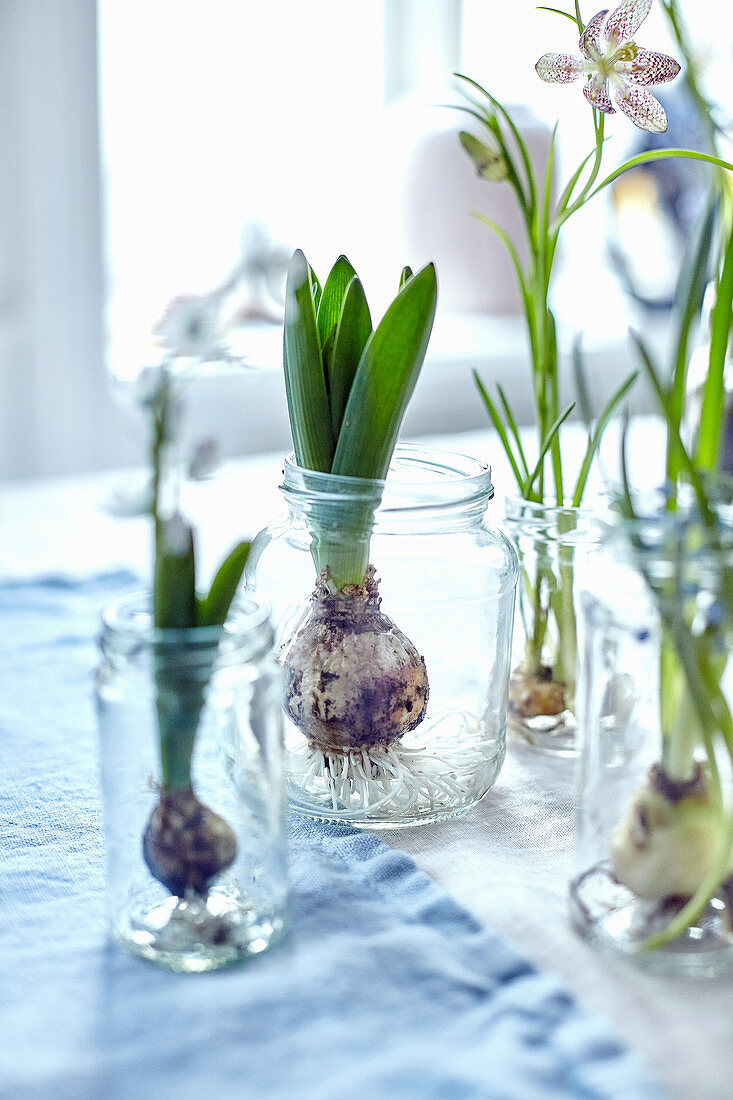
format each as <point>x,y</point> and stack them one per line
<point>397,780</point>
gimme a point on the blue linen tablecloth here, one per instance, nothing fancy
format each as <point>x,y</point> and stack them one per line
<point>384,987</point>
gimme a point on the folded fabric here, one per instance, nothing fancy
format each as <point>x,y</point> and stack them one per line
<point>383,988</point>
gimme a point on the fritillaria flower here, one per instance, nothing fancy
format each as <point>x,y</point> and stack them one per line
<point>616,67</point>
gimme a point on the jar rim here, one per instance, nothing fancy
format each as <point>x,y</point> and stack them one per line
<point>654,520</point>
<point>452,478</point>
<point>523,508</point>
<point>130,616</point>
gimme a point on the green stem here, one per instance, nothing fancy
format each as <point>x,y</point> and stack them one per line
<point>341,540</point>
<point>179,705</point>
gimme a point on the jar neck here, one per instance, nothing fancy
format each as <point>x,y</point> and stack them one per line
<point>673,550</point>
<point>425,490</point>
<point>128,639</point>
<point>566,524</point>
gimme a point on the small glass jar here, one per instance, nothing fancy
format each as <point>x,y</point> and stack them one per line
<point>201,707</point>
<point>549,542</point>
<point>446,581</point>
<point>653,877</point>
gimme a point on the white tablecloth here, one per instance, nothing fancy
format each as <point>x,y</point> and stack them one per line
<point>508,860</point>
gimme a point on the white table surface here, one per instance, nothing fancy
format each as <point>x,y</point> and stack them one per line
<point>508,860</point>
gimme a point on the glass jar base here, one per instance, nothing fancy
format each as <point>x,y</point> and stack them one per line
<point>549,733</point>
<point>193,936</point>
<point>611,917</point>
<point>439,771</point>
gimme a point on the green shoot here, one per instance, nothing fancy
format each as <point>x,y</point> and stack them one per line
<point>347,389</point>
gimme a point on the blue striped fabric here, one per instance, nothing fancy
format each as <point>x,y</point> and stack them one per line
<point>384,988</point>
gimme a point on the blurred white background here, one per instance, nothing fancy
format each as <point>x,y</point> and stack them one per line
<point>143,140</point>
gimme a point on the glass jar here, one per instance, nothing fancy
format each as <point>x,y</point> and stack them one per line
<point>653,876</point>
<point>549,542</point>
<point>446,581</point>
<point>193,789</point>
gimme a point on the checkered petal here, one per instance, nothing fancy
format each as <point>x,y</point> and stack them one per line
<point>648,68</point>
<point>623,23</point>
<point>590,42</point>
<point>559,68</point>
<point>595,91</point>
<point>646,112</point>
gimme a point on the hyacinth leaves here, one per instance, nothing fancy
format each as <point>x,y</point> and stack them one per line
<point>348,385</point>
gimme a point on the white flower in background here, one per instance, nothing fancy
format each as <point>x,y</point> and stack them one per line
<point>177,535</point>
<point>204,461</point>
<point>129,500</point>
<point>614,64</point>
<point>190,328</point>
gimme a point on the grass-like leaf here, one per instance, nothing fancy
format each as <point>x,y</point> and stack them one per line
<point>547,196</point>
<point>521,145</point>
<point>659,154</point>
<point>305,385</point>
<point>352,332</point>
<point>405,274</point>
<point>500,430</point>
<point>509,246</point>
<point>594,440</point>
<point>689,296</point>
<point>332,298</point>
<point>511,421</point>
<point>384,380</point>
<point>713,400</point>
<point>214,608</point>
<point>556,11</point>
<point>547,443</point>
<point>663,398</point>
<point>582,389</point>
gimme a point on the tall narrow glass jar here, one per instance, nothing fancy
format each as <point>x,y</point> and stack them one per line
<point>446,582</point>
<point>654,843</point>
<point>550,541</point>
<point>220,687</point>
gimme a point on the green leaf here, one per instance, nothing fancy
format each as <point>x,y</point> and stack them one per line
<point>689,296</point>
<point>570,185</point>
<point>511,421</point>
<point>315,288</point>
<point>594,441</point>
<point>491,122</point>
<point>305,385</point>
<point>214,608</point>
<point>500,430</point>
<point>556,11</point>
<point>405,275</point>
<point>548,441</point>
<point>352,332</point>
<point>174,582</point>
<point>659,154</point>
<point>521,145</point>
<point>385,379</point>
<point>509,246</point>
<point>547,197</point>
<point>329,309</point>
<point>713,400</point>
<point>585,403</point>
<point>687,463</point>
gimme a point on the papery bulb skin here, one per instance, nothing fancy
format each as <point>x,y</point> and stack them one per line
<point>536,696</point>
<point>185,844</point>
<point>665,843</point>
<point>353,680</point>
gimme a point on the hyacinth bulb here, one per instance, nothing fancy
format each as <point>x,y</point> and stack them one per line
<point>185,844</point>
<point>354,680</point>
<point>665,843</point>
